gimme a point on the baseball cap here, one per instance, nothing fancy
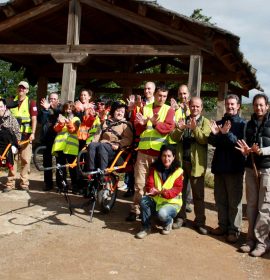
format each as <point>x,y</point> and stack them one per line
<point>24,84</point>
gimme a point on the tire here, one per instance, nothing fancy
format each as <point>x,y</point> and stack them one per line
<point>107,195</point>
<point>81,163</point>
<point>38,158</point>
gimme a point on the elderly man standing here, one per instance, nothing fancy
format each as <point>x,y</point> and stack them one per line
<point>153,126</point>
<point>47,117</point>
<point>191,136</point>
<point>228,169</point>
<point>26,115</point>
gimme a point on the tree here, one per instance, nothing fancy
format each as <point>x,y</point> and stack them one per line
<point>9,80</point>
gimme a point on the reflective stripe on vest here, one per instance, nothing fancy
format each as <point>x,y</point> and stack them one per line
<point>151,138</point>
<point>96,125</point>
<point>60,141</point>
<point>22,114</point>
<point>167,185</point>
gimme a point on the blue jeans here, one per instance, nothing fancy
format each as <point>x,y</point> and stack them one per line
<point>165,214</point>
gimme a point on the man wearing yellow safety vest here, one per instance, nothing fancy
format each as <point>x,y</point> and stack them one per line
<point>26,114</point>
<point>191,136</point>
<point>153,126</point>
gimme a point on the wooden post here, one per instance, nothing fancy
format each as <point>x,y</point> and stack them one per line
<point>42,87</point>
<point>222,92</point>
<point>69,69</point>
<point>195,75</point>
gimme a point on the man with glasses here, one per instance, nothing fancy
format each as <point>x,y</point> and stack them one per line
<point>26,115</point>
<point>47,117</point>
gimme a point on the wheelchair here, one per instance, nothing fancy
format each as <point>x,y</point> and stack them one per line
<point>101,185</point>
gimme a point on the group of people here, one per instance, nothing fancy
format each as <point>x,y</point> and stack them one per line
<point>172,142</point>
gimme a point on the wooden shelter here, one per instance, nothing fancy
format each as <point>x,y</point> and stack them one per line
<point>94,42</point>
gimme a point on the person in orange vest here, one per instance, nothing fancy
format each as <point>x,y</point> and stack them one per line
<point>163,192</point>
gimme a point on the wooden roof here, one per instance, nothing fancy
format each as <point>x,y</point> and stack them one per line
<point>118,39</point>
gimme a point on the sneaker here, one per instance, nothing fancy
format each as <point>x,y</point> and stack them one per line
<point>258,251</point>
<point>218,231</point>
<point>131,217</point>
<point>167,229</point>
<point>178,223</point>
<point>7,189</point>
<point>142,233</point>
<point>247,247</point>
<point>188,208</point>
<point>232,237</point>
<point>201,230</point>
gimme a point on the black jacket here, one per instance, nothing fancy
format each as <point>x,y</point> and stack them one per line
<point>227,159</point>
<point>259,133</point>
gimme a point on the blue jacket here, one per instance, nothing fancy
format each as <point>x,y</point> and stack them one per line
<point>227,159</point>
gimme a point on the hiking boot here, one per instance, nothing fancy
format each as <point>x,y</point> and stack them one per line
<point>258,251</point>
<point>131,217</point>
<point>167,229</point>
<point>232,237</point>
<point>143,232</point>
<point>178,223</point>
<point>247,247</point>
<point>217,231</point>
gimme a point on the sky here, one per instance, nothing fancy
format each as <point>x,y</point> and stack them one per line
<point>248,19</point>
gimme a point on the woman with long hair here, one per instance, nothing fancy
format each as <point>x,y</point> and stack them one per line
<point>163,192</point>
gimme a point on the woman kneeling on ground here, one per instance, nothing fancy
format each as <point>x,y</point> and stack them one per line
<point>163,192</point>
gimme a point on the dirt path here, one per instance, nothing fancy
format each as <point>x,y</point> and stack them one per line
<point>40,240</point>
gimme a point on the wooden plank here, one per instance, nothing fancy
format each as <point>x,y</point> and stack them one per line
<point>70,57</point>
<point>97,49</point>
<point>222,92</point>
<point>69,77</point>
<point>160,50</point>
<point>33,49</point>
<point>68,82</point>
<point>195,75</point>
<point>29,15</point>
<point>149,24</point>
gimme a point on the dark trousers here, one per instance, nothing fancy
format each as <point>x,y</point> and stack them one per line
<point>47,162</point>
<point>100,155</point>
<point>197,187</point>
<point>63,159</point>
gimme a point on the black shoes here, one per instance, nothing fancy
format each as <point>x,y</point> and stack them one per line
<point>129,193</point>
<point>178,223</point>
<point>201,230</point>
<point>47,188</point>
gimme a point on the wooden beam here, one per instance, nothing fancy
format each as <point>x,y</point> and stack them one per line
<point>195,75</point>
<point>70,57</point>
<point>149,24</point>
<point>97,49</point>
<point>29,15</point>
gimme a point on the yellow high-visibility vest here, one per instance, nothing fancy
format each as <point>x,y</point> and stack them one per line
<point>23,116</point>
<point>96,125</point>
<point>151,138</point>
<point>66,142</point>
<point>168,184</point>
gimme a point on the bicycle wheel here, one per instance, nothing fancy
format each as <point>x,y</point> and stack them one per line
<point>107,195</point>
<point>38,158</point>
<point>81,162</point>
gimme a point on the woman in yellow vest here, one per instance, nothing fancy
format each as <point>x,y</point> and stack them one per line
<point>66,144</point>
<point>163,192</point>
